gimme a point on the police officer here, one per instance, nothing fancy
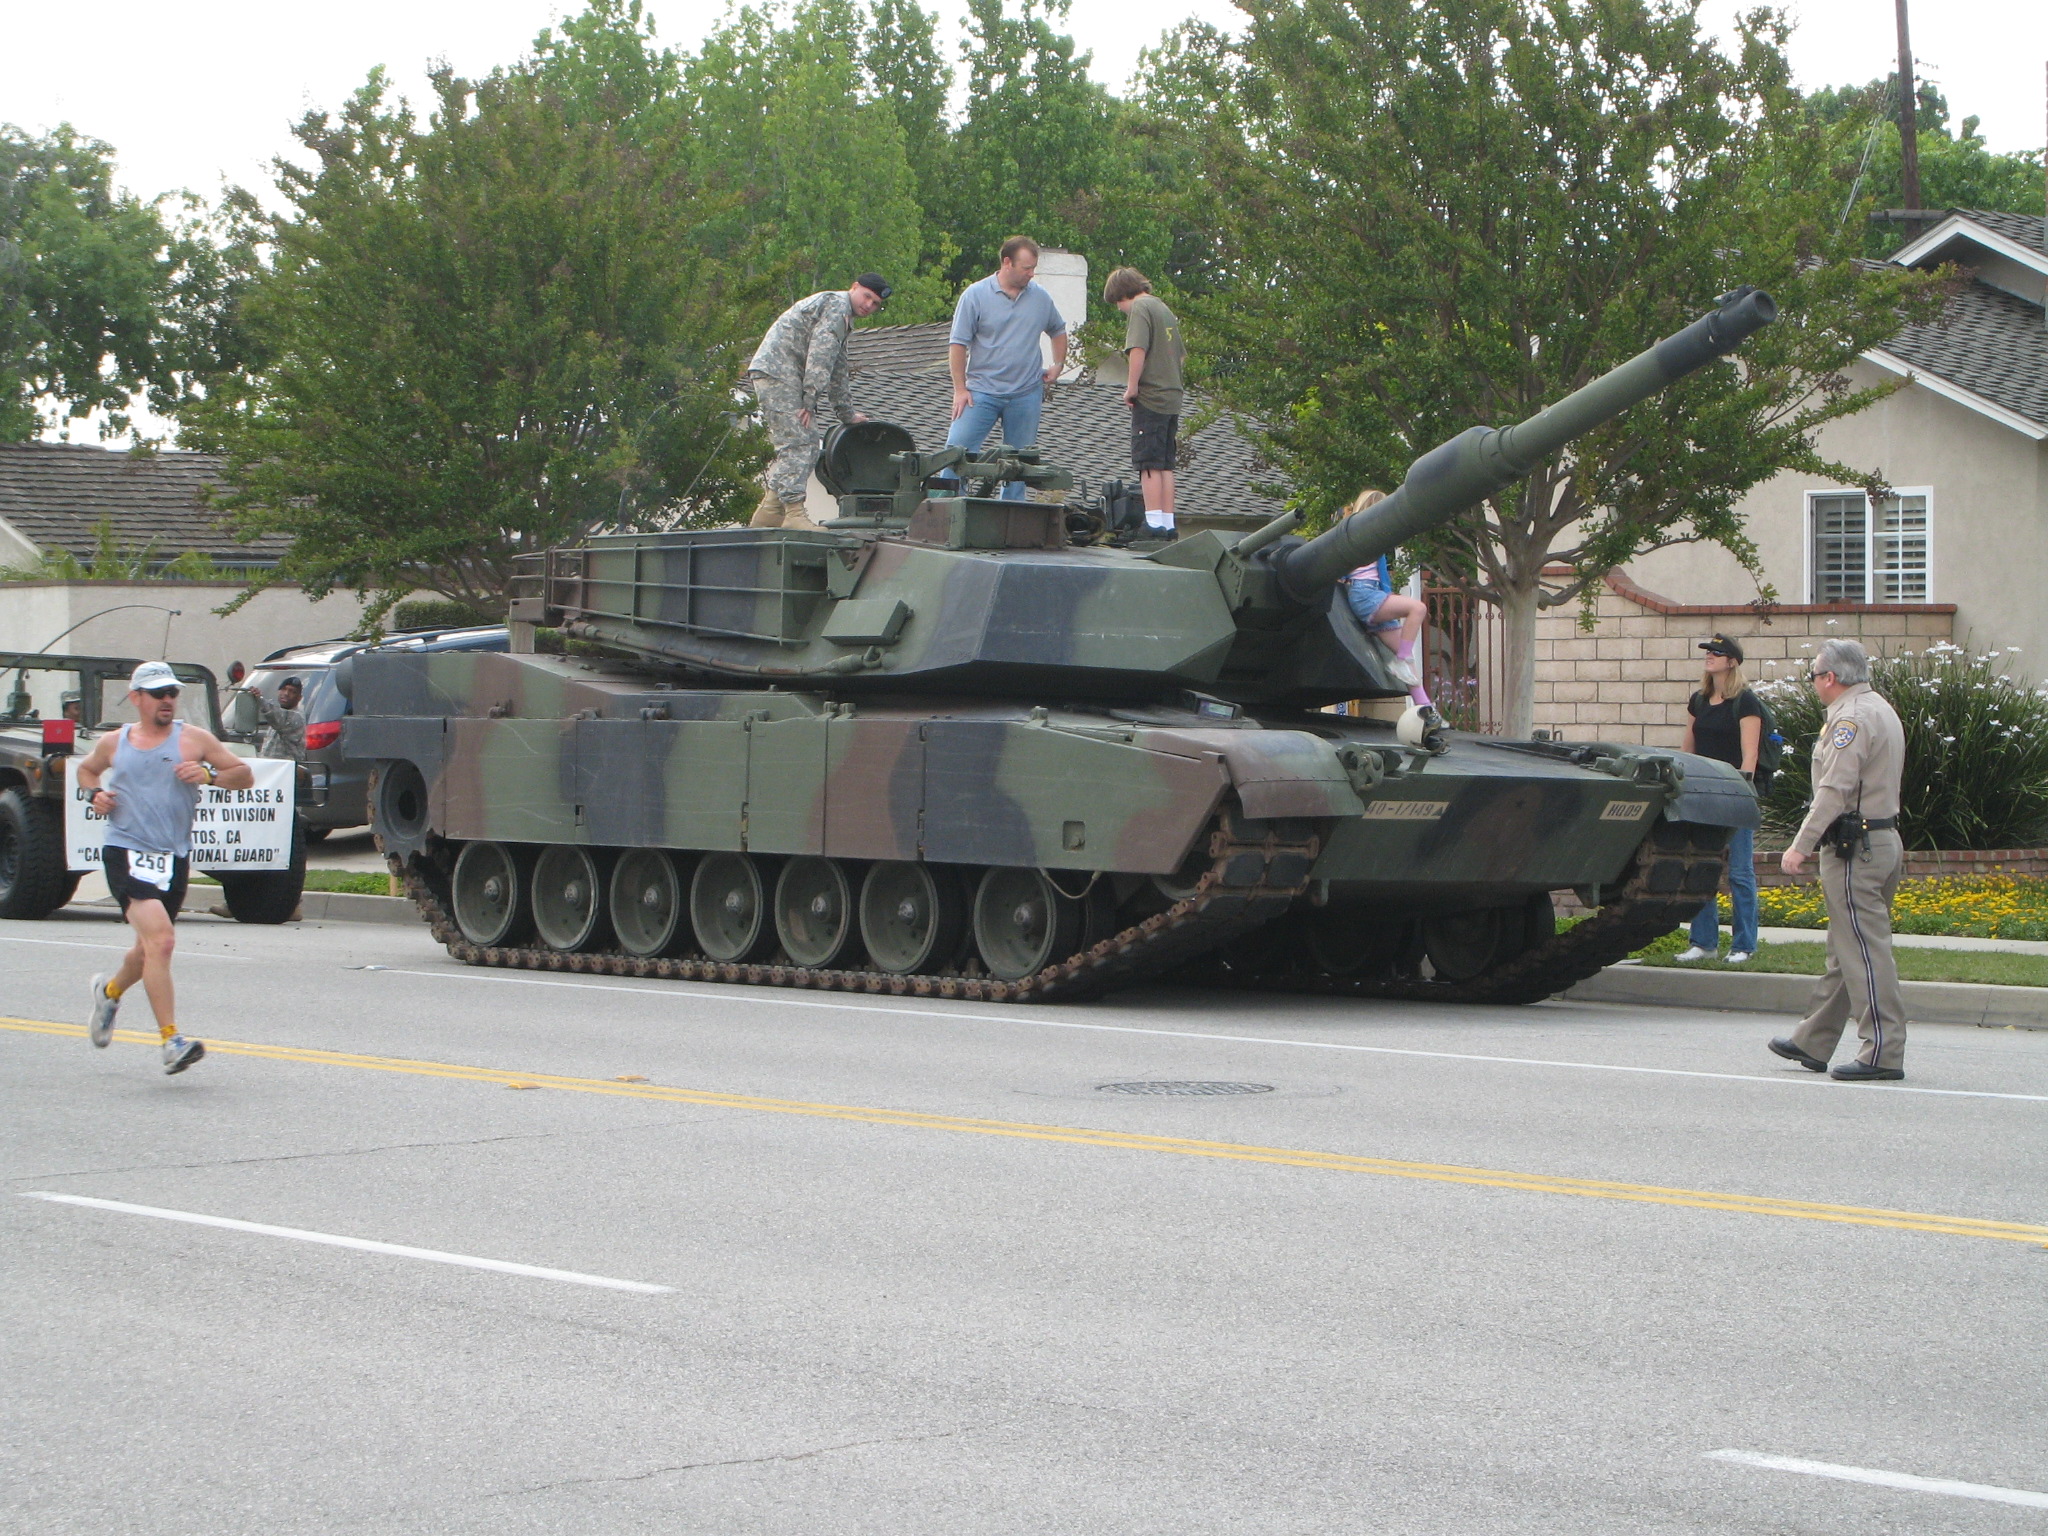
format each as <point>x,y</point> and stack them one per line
<point>799,369</point>
<point>1853,821</point>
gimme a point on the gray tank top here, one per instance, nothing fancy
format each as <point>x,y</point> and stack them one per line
<point>152,809</point>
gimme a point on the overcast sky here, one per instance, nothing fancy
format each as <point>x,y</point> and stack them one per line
<point>192,92</point>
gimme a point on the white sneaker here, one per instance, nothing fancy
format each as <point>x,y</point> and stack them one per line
<point>99,1027</point>
<point>180,1052</point>
<point>1695,953</point>
<point>1737,956</point>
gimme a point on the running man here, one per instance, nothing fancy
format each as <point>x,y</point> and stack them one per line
<point>145,780</point>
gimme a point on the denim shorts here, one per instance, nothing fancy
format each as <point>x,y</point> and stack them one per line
<point>1365,598</point>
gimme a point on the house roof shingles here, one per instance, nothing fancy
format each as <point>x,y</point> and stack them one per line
<point>56,495</point>
<point>899,375</point>
<point>2021,228</point>
<point>1988,341</point>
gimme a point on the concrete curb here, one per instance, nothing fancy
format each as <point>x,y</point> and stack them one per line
<point>1927,1002</point>
<point>346,907</point>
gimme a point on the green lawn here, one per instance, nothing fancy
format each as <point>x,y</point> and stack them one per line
<point>348,881</point>
<point>1987,966</point>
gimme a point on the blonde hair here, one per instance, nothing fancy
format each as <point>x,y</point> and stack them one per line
<point>1365,498</point>
<point>1732,681</point>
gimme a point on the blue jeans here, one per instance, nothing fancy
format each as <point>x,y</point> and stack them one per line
<point>1019,416</point>
<point>1706,928</point>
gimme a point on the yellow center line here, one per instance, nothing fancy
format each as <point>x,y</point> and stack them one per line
<point>1336,1162</point>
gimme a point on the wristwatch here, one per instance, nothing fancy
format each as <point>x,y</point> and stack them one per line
<point>209,772</point>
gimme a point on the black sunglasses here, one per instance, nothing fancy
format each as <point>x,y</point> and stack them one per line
<point>162,693</point>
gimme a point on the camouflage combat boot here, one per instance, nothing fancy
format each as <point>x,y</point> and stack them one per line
<point>795,515</point>
<point>769,513</point>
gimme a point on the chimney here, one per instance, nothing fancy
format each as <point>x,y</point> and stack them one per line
<point>1064,275</point>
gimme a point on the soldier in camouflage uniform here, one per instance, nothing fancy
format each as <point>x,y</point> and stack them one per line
<point>799,366</point>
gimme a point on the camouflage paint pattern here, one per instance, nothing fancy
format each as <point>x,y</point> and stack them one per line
<point>950,679</point>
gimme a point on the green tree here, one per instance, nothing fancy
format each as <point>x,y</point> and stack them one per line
<point>1449,214</point>
<point>483,336</point>
<point>1956,170</point>
<point>1043,150</point>
<point>784,116</point>
<point>86,274</point>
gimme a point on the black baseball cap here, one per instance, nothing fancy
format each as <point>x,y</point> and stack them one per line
<point>876,284</point>
<point>1721,645</point>
<point>292,682</point>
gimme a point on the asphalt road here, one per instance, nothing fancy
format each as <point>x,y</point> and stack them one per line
<point>919,1272</point>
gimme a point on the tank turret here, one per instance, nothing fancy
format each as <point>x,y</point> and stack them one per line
<point>932,579</point>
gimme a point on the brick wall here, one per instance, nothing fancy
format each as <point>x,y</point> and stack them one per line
<point>1628,678</point>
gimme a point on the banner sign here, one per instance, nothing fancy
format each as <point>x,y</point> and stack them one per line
<point>232,829</point>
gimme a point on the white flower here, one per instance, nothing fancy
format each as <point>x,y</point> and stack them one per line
<point>1949,739</point>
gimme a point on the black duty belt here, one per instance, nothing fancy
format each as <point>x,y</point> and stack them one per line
<point>1879,823</point>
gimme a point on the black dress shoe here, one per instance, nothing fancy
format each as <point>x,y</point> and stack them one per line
<point>1791,1052</point>
<point>1859,1072</point>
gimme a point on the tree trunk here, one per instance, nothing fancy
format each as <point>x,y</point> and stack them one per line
<point>1518,657</point>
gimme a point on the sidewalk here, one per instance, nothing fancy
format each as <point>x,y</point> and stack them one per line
<point>1927,1002</point>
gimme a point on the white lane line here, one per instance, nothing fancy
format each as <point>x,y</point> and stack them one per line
<point>119,949</point>
<point>1905,1480</point>
<point>399,1249</point>
<point>1021,1019</point>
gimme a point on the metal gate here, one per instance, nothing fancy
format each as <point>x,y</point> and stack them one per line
<point>1461,649</point>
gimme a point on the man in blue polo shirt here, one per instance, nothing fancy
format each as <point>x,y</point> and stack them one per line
<point>997,374</point>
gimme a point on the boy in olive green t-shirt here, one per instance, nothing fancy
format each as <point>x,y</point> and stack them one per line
<point>1153,343</point>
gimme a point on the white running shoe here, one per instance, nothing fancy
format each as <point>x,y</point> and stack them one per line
<point>1695,953</point>
<point>180,1053</point>
<point>1403,672</point>
<point>1737,956</point>
<point>99,1026</point>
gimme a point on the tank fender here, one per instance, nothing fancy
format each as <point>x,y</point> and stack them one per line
<point>1277,774</point>
<point>381,738</point>
<point>1711,793</point>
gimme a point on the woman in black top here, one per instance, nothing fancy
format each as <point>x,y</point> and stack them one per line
<point>1727,723</point>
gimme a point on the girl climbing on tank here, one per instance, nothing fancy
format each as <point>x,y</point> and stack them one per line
<point>1369,591</point>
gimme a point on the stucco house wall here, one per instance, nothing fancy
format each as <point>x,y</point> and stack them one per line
<point>1988,519</point>
<point>34,613</point>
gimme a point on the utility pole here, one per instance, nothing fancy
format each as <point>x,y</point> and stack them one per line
<point>1909,119</point>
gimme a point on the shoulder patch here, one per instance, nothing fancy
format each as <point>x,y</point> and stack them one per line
<point>1843,735</point>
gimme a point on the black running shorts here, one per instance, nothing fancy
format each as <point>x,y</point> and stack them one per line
<point>1152,439</point>
<point>126,887</point>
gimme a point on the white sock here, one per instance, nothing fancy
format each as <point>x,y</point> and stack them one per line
<point>1163,521</point>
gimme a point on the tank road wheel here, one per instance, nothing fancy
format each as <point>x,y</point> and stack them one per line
<point>568,898</point>
<point>493,894</point>
<point>647,904</point>
<point>1462,944</point>
<point>912,917</point>
<point>1022,924</point>
<point>729,909</point>
<point>398,807</point>
<point>814,912</point>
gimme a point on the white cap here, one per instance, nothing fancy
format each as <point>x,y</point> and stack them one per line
<point>153,674</point>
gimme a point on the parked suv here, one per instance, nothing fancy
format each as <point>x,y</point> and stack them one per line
<point>338,794</point>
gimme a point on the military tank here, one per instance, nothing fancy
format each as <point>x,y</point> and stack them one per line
<point>962,745</point>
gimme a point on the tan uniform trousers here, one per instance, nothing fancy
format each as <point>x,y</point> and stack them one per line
<point>796,445</point>
<point>1862,980</point>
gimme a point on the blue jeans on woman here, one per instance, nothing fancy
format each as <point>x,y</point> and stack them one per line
<point>1019,415</point>
<point>1706,927</point>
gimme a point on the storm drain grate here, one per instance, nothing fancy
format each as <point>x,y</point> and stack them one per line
<point>1184,1090</point>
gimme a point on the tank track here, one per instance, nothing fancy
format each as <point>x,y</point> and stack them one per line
<point>1256,870</point>
<point>1675,870</point>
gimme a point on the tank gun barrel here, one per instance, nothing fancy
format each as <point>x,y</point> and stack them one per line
<point>1482,460</point>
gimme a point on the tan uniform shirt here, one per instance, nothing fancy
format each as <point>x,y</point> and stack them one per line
<point>1857,763</point>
